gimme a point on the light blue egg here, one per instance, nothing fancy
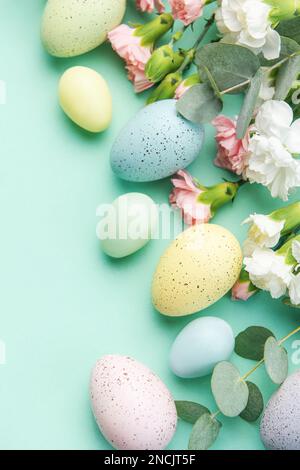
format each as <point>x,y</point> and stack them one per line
<point>155,144</point>
<point>200,346</point>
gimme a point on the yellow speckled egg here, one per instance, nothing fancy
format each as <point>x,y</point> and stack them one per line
<point>73,27</point>
<point>198,268</point>
<point>85,97</point>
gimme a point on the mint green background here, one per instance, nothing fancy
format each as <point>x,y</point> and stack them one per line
<point>63,304</point>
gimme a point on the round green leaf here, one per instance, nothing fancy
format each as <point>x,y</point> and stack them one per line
<point>276,361</point>
<point>199,104</point>
<point>230,391</point>
<point>255,405</point>
<point>250,344</point>
<point>190,411</point>
<point>229,65</point>
<point>204,433</point>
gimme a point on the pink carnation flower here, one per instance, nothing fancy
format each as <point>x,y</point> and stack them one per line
<point>232,152</point>
<point>147,6</point>
<point>187,11</point>
<point>185,197</point>
<point>128,47</point>
<point>241,291</point>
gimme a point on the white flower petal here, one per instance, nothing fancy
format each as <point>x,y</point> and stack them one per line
<point>296,250</point>
<point>272,47</point>
<point>274,119</point>
<point>268,271</point>
<point>264,231</point>
<point>294,290</point>
<point>293,138</point>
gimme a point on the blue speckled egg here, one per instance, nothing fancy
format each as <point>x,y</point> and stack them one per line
<point>155,144</point>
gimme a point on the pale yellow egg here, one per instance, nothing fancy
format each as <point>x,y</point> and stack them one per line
<point>85,97</point>
<point>74,27</point>
<point>197,270</point>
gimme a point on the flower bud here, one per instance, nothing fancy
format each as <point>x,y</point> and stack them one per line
<point>243,288</point>
<point>167,88</point>
<point>163,61</point>
<point>153,30</point>
<point>218,195</point>
<point>281,10</point>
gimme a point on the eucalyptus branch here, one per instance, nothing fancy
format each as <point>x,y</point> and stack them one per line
<point>207,27</point>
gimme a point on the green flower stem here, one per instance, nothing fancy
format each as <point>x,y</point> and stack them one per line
<point>252,370</point>
<point>289,335</point>
<point>291,217</point>
<point>266,72</point>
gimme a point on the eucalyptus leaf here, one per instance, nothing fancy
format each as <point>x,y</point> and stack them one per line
<point>276,361</point>
<point>230,391</point>
<point>190,411</point>
<point>288,48</point>
<point>249,104</point>
<point>204,433</point>
<point>250,344</point>
<point>290,28</point>
<point>199,104</point>
<point>229,65</point>
<point>287,74</point>
<point>255,405</point>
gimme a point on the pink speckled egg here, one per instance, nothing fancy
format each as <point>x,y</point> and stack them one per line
<point>133,408</point>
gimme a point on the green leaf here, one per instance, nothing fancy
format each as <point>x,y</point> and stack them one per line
<point>190,411</point>
<point>204,433</point>
<point>250,344</point>
<point>276,361</point>
<point>255,405</point>
<point>290,28</point>
<point>230,65</point>
<point>199,104</point>
<point>288,48</point>
<point>230,391</point>
<point>287,74</point>
<point>248,108</point>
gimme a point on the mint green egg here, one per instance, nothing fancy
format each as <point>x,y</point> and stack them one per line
<point>74,27</point>
<point>127,225</point>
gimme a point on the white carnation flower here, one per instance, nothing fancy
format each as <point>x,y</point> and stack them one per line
<point>269,272</point>
<point>264,232</point>
<point>275,119</point>
<point>272,165</point>
<point>247,22</point>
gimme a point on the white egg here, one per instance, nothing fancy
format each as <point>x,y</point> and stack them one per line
<point>73,27</point>
<point>85,98</point>
<point>200,346</point>
<point>133,408</point>
<point>127,225</point>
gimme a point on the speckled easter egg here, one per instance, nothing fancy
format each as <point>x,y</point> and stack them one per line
<point>85,97</point>
<point>155,144</point>
<point>280,426</point>
<point>73,27</point>
<point>198,268</point>
<point>200,346</point>
<point>133,408</point>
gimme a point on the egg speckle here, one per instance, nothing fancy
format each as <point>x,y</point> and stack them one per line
<point>200,346</point>
<point>280,426</point>
<point>198,268</point>
<point>155,144</point>
<point>74,27</point>
<point>133,408</point>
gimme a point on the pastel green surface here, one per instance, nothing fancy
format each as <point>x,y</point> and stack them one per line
<point>64,304</point>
